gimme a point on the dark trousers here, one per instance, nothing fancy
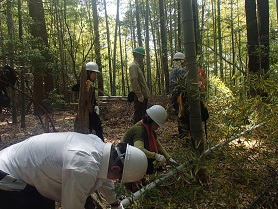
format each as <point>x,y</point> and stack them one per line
<point>183,120</point>
<point>139,109</point>
<point>29,198</point>
<point>95,124</point>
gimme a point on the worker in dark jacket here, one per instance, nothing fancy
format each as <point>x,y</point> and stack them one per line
<point>94,119</point>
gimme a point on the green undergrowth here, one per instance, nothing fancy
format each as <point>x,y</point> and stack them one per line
<point>238,172</point>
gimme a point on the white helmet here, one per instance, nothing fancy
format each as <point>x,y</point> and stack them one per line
<point>92,66</point>
<point>135,164</point>
<point>158,114</point>
<point>179,56</point>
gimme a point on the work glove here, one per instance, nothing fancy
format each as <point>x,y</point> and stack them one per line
<point>172,162</point>
<point>141,99</point>
<point>161,160</point>
<point>118,207</point>
<point>97,110</point>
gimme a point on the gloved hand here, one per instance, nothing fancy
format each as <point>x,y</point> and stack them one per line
<point>118,207</point>
<point>172,161</point>
<point>141,99</point>
<point>97,110</point>
<point>161,159</point>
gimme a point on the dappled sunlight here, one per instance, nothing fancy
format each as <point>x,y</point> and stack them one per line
<point>246,142</point>
<point>223,91</point>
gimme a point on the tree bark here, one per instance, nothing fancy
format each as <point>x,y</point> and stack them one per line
<point>97,47</point>
<point>81,124</point>
<point>108,46</point>
<point>38,30</point>
<point>252,37</point>
<point>263,17</point>
<point>164,56</point>
<point>149,78</point>
<point>196,129</point>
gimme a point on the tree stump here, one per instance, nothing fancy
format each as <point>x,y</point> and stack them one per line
<point>85,102</point>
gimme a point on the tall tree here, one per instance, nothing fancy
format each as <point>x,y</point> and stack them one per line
<point>11,52</point>
<point>196,129</point>
<point>22,79</point>
<point>263,18</point>
<point>149,79</point>
<point>164,56</point>
<point>192,81</point>
<point>196,25</point>
<point>123,90</point>
<point>138,25</point>
<point>233,43</point>
<point>108,46</point>
<point>42,84</point>
<point>252,36</point>
<point>115,48</point>
<point>220,39</point>
<point>97,46</point>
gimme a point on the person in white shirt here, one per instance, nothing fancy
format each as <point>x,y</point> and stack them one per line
<point>66,167</point>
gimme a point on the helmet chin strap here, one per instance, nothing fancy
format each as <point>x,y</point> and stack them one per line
<point>121,158</point>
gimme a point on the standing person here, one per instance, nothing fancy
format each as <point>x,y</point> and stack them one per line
<point>178,90</point>
<point>142,135</point>
<point>65,167</point>
<point>177,84</point>
<point>138,84</point>
<point>94,119</point>
<point>7,78</point>
<point>3,92</point>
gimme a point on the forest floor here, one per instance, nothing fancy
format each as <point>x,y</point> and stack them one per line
<point>116,116</point>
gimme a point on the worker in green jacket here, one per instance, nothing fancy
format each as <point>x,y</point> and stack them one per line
<point>142,135</point>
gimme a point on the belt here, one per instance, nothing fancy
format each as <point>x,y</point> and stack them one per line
<point>2,175</point>
<point>10,183</point>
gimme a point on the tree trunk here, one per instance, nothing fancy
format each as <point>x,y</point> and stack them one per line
<point>192,77</point>
<point>97,47</point>
<point>196,25</point>
<point>164,57</point>
<point>22,80</point>
<point>81,124</point>
<point>220,40</point>
<point>252,37</point>
<point>149,79</point>
<point>233,45</point>
<point>38,30</point>
<point>196,129</point>
<point>139,36</point>
<point>123,92</point>
<point>108,47</point>
<point>11,54</point>
<point>115,49</point>
<point>263,17</point>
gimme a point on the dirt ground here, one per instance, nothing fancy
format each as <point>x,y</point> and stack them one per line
<point>116,116</point>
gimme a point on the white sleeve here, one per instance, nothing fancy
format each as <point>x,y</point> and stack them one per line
<point>75,189</point>
<point>79,176</point>
<point>107,189</point>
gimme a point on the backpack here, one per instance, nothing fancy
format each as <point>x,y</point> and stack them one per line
<point>204,112</point>
<point>130,97</point>
<point>5,101</point>
<point>8,75</point>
